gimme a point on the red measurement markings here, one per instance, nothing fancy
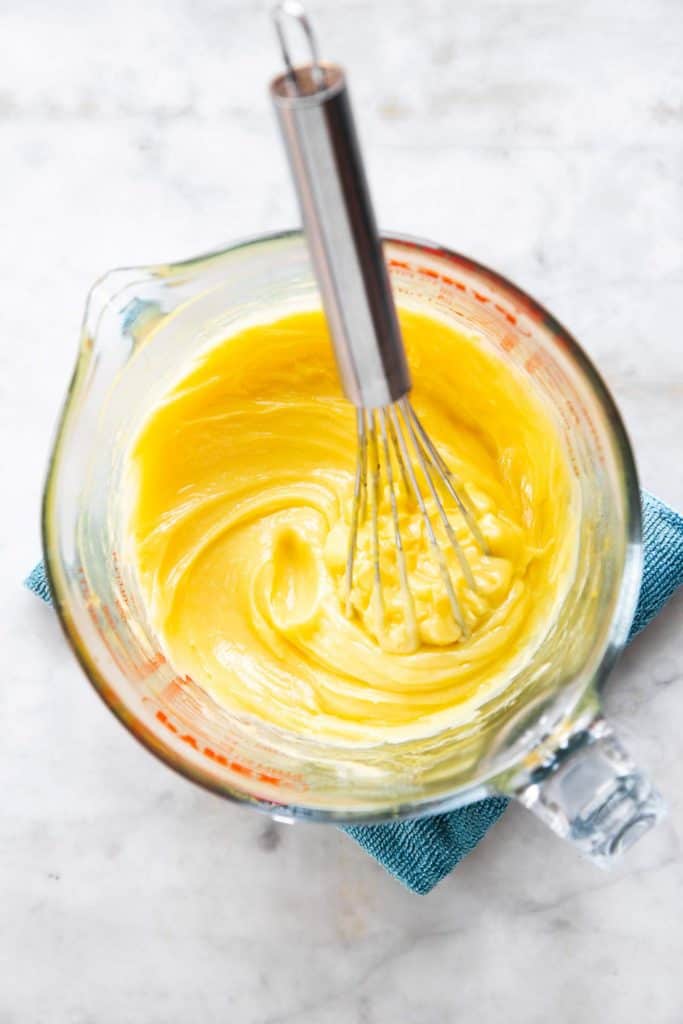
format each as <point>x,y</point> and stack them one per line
<point>105,618</point>
<point>534,363</point>
<point>97,621</point>
<point>118,577</point>
<point>120,607</point>
<point>510,317</point>
<point>461,286</point>
<point>108,617</point>
<point>128,598</point>
<point>576,410</point>
<point>83,584</point>
<point>208,752</point>
<point>541,365</point>
<point>150,665</point>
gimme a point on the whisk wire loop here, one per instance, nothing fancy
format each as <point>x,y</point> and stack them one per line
<point>425,463</point>
<point>436,549</point>
<point>406,593</point>
<point>375,471</point>
<point>450,481</point>
<point>292,10</point>
<point>394,449</point>
<point>359,486</point>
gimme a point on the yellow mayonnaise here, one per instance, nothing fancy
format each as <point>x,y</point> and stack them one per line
<point>242,484</point>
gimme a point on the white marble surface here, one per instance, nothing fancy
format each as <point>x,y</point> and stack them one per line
<point>545,138</point>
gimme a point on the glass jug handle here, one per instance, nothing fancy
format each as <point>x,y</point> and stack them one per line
<point>590,792</point>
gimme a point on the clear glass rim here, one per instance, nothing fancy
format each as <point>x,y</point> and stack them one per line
<point>628,584</point>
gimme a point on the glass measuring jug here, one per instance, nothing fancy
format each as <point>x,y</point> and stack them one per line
<point>542,740</point>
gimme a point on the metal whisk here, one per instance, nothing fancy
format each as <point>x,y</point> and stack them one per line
<point>394,449</point>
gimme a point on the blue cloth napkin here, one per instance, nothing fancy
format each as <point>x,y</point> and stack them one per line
<point>420,853</point>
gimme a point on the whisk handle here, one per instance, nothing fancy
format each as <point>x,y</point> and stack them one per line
<point>314,113</point>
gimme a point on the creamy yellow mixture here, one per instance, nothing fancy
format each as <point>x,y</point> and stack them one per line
<point>242,484</point>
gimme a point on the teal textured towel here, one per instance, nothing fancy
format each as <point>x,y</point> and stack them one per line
<point>421,853</point>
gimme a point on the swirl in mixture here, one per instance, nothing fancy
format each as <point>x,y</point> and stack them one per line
<point>242,490</point>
